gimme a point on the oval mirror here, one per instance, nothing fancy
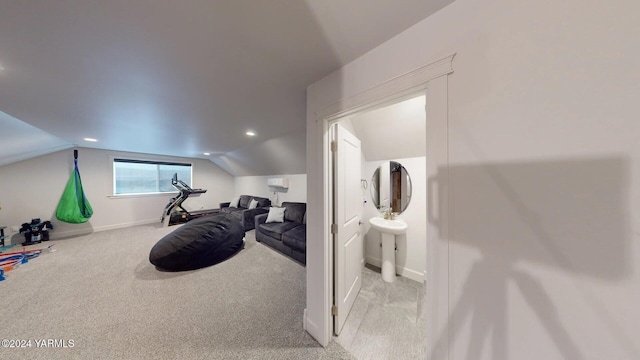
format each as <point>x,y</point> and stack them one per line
<point>391,187</point>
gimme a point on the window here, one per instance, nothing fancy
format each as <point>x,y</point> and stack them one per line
<point>147,177</point>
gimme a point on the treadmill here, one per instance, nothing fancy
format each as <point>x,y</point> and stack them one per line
<point>174,213</point>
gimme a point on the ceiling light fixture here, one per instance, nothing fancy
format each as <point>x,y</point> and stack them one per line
<point>90,139</point>
<point>250,133</point>
<point>206,154</point>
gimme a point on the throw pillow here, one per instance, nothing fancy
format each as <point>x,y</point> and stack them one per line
<point>276,214</point>
<point>234,202</point>
<point>253,204</point>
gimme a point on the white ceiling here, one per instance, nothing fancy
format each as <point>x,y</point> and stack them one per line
<point>181,77</point>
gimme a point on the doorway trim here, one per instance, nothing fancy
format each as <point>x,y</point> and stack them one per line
<point>432,79</point>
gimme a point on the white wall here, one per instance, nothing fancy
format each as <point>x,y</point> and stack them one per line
<point>32,189</point>
<point>257,186</point>
<point>544,175</point>
<point>412,246</point>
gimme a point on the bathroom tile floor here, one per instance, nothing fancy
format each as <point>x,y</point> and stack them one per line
<point>387,320</point>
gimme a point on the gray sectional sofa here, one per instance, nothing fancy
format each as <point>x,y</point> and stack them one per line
<point>245,215</point>
<point>288,237</point>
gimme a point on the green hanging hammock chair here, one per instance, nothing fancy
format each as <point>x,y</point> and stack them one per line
<point>74,207</point>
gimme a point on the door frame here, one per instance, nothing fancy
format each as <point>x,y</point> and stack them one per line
<point>431,79</point>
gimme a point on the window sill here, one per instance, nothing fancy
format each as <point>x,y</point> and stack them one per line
<point>130,196</point>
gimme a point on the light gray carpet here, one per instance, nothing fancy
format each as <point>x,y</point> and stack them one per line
<point>100,291</point>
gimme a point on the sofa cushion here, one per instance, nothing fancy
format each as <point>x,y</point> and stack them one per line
<point>295,211</point>
<point>234,202</point>
<point>262,202</point>
<point>244,201</point>
<point>253,204</point>
<point>296,238</point>
<point>231,210</point>
<point>276,214</point>
<point>275,230</point>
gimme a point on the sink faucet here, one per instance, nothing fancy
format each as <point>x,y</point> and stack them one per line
<point>388,214</point>
<point>385,212</point>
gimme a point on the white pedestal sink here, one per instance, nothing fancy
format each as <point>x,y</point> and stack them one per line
<point>388,231</point>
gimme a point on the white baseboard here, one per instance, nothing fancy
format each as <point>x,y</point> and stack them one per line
<point>304,319</point>
<point>402,271</point>
<point>126,225</point>
<point>54,235</point>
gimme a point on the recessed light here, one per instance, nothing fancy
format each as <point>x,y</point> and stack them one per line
<point>90,139</point>
<point>1,68</point>
<point>250,133</point>
<point>206,154</point>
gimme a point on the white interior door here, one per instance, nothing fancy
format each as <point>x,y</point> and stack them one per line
<point>347,207</point>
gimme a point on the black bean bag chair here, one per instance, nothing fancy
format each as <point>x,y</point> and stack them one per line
<point>199,243</point>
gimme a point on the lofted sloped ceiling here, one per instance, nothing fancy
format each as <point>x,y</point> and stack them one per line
<point>20,141</point>
<point>394,131</point>
<point>180,78</point>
